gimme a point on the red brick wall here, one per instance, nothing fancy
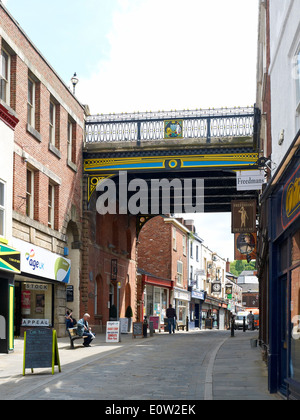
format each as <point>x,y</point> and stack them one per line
<point>100,233</point>
<point>69,192</point>
<point>155,250</point>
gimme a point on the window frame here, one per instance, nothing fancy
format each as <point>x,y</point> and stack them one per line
<point>6,99</point>
<point>180,274</point>
<point>51,205</point>
<point>52,124</point>
<point>70,141</point>
<point>30,194</point>
<point>31,106</point>
<point>174,238</point>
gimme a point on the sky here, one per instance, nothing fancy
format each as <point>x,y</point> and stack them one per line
<point>151,55</point>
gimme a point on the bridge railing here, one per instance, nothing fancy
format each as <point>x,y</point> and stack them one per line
<point>219,124</point>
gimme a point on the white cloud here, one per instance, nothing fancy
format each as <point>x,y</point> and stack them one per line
<point>176,55</point>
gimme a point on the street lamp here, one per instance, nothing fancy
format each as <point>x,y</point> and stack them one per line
<point>74,82</point>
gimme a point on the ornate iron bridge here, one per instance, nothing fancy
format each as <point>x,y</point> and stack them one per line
<point>222,125</point>
<point>211,144</point>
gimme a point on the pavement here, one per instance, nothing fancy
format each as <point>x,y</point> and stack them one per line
<point>195,365</point>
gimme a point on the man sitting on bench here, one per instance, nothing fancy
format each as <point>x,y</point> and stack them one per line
<point>83,330</point>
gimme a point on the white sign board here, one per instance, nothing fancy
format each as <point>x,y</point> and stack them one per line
<point>35,323</point>
<point>124,325</point>
<point>38,261</point>
<point>113,332</point>
<point>250,180</point>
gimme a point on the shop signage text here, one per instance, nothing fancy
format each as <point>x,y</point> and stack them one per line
<point>35,323</point>
<point>250,180</point>
<point>290,205</point>
<point>40,262</point>
<point>113,332</point>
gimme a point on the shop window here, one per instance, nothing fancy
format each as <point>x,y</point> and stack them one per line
<point>36,304</point>
<point>295,325</point>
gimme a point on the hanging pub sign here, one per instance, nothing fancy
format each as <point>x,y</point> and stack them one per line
<point>114,270</point>
<point>228,289</point>
<point>290,203</point>
<point>243,216</point>
<point>245,246</point>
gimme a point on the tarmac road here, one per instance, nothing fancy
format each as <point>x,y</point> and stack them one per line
<point>202,365</point>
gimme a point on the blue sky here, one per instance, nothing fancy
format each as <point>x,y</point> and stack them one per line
<point>150,55</point>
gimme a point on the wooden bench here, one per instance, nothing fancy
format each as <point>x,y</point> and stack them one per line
<point>180,327</point>
<point>73,336</point>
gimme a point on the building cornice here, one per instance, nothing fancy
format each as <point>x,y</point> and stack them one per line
<point>8,118</point>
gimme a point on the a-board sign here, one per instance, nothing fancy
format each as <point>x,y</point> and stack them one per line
<point>124,325</point>
<point>40,350</point>
<point>155,320</point>
<point>137,329</point>
<point>113,332</point>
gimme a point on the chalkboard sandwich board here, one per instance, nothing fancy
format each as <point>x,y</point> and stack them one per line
<point>137,329</point>
<point>40,350</point>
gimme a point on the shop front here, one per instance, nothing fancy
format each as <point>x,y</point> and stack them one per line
<point>40,289</point>
<point>157,295</point>
<point>197,299</point>
<point>182,300</point>
<point>9,266</point>
<point>283,205</point>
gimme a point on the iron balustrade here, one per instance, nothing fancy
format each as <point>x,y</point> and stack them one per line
<point>221,124</point>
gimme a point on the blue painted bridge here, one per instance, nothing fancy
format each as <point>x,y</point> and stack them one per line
<point>211,144</point>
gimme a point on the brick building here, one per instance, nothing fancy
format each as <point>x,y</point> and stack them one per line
<point>163,270</point>
<point>46,181</point>
<point>109,266</point>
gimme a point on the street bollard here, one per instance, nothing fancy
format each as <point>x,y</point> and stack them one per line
<point>244,324</point>
<point>232,327</point>
<point>145,327</point>
<point>187,323</point>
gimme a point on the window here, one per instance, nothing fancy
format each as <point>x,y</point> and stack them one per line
<point>2,209</point>
<point>191,275</point>
<point>174,239</point>
<point>70,141</point>
<point>191,250</point>
<point>4,76</point>
<point>184,245</point>
<point>30,194</point>
<point>52,112</point>
<point>179,272</point>
<point>51,206</point>
<point>31,103</point>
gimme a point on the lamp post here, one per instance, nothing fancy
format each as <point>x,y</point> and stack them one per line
<point>74,82</point>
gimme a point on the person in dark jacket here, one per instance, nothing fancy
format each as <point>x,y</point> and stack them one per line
<point>171,315</point>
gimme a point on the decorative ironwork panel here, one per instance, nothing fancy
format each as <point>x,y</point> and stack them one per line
<point>220,124</point>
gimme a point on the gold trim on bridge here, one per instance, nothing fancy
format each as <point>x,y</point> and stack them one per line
<point>184,162</point>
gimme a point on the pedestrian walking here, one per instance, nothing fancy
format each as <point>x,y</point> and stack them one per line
<point>83,330</point>
<point>171,315</point>
<point>251,321</point>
